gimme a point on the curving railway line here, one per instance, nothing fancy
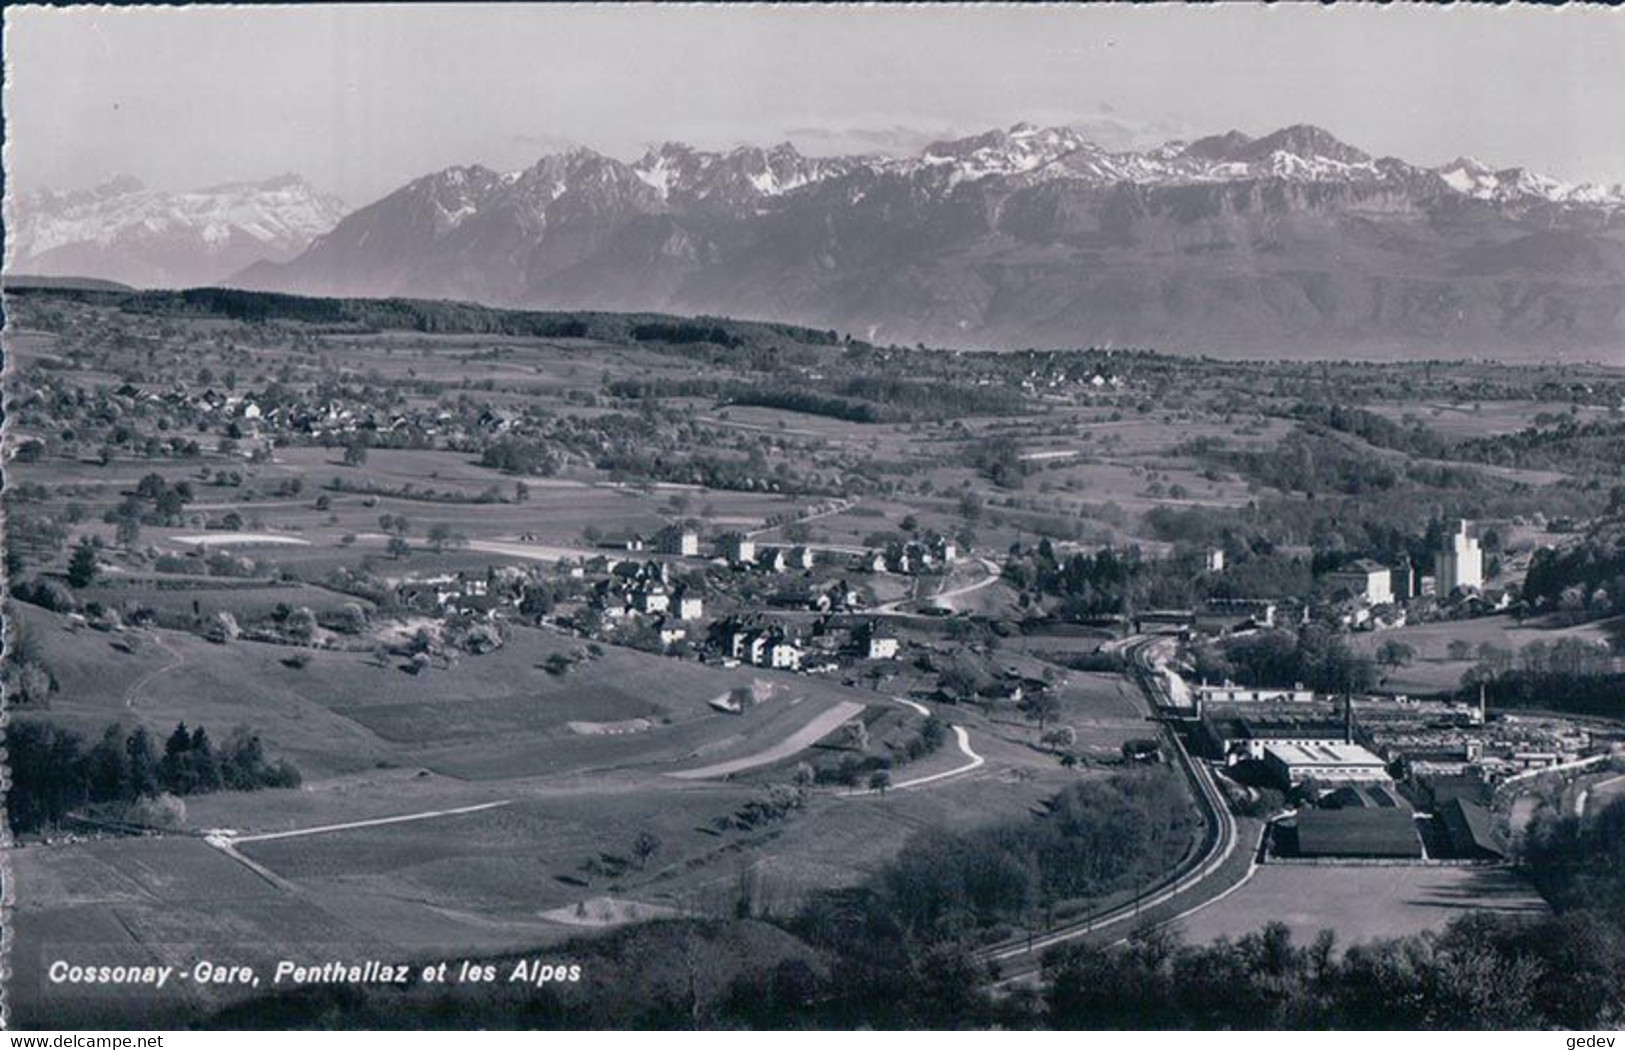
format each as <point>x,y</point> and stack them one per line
<point>1198,879</point>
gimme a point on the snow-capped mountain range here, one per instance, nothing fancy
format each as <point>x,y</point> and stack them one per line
<point>123,231</point>
<point>1014,237</point>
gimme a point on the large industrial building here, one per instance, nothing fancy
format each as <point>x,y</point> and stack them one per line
<point>1460,564</point>
<point>1231,693</point>
<point>1377,833</point>
<point>1366,579</point>
<point>1323,761</point>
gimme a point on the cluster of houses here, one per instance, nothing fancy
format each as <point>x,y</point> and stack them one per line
<point>761,645</point>
<point>318,418</point>
<point>736,548</point>
<point>643,590</point>
<point>911,558</point>
<point>748,639</point>
<point>470,594</point>
<point>1069,373</point>
<point>743,552</point>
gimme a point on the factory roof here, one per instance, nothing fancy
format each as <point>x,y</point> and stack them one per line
<point>1375,832</point>
<point>1323,753</point>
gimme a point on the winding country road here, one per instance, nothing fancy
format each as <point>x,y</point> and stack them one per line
<point>963,739</point>
<point>822,724</point>
<point>993,572</point>
<point>175,660</point>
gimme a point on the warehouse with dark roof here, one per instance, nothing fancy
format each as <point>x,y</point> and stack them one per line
<point>1471,831</point>
<point>1378,832</point>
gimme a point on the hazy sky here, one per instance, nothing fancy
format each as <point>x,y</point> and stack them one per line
<point>360,99</point>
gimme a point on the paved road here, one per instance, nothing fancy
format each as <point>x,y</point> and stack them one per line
<point>823,724</point>
<point>227,841</point>
<point>961,735</point>
<point>840,506</point>
<point>532,551</point>
<point>322,829</point>
<point>992,574</point>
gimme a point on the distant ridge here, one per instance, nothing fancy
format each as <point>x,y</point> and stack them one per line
<point>1290,244</point>
<point>84,284</point>
<point>123,231</point>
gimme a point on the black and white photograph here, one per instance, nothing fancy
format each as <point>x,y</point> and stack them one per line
<point>1099,517</point>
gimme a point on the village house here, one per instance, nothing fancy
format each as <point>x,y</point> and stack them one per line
<point>785,655</point>
<point>881,647</point>
<point>689,606</point>
<point>738,549</point>
<point>684,543</point>
<point>622,541</point>
<point>651,599</point>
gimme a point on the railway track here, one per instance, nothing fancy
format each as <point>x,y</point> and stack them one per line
<point>1192,881</point>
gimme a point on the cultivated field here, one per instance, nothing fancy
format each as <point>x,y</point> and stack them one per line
<point>1360,902</point>
<point>1434,671</point>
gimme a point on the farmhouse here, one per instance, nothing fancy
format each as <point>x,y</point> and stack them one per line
<point>682,542</point>
<point>784,655</point>
<point>651,600</point>
<point>738,548</point>
<point>873,644</point>
<point>621,541</point>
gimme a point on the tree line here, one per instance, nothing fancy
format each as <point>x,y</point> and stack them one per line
<point>1314,656</point>
<point>54,774</point>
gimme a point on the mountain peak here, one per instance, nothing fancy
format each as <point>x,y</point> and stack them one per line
<point>288,180</point>
<point>1307,141</point>
<point>1227,146</point>
<point>119,185</point>
<point>124,231</point>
